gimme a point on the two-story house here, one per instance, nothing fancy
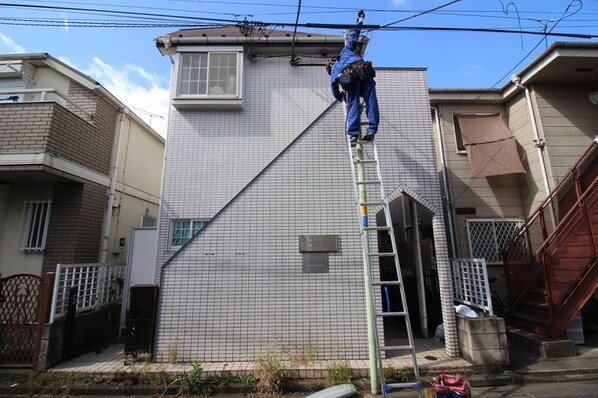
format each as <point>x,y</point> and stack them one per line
<point>507,151</point>
<point>257,160</point>
<point>77,168</point>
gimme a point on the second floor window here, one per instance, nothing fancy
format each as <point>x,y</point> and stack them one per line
<point>210,74</point>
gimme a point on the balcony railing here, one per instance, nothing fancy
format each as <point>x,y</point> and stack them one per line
<point>37,95</point>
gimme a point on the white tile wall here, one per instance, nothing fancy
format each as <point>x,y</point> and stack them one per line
<point>238,287</point>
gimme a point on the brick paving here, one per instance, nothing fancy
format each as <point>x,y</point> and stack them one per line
<point>431,358</point>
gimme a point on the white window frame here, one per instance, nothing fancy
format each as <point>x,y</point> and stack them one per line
<point>213,97</point>
<point>34,225</point>
<point>193,228</point>
<point>492,248</point>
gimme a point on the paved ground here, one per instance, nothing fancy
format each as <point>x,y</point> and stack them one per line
<point>528,376</point>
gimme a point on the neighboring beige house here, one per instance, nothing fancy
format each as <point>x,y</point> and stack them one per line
<point>504,150</point>
<point>77,168</point>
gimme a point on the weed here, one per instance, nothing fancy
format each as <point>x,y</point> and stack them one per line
<point>304,357</point>
<point>404,375</point>
<point>269,372</point>
<point>338,372</point>
<point>173,351</point>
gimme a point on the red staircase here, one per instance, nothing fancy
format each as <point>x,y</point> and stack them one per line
<point>552,264</point>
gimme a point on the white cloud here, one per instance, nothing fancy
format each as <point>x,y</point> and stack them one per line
<point>145,93</point>
<point>11,45</point>
<point>398,3</point>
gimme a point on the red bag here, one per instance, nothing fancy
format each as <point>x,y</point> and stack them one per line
<point>448,386</point>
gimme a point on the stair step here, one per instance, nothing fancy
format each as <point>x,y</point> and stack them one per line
<point>535,304</point>
<point>530,318</point>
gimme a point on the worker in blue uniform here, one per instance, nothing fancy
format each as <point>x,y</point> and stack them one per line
<point>356,78</point>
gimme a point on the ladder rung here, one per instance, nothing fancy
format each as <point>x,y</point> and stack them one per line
<point>414,385</point>
<point>387,283</point>
<point>371,203</point>
<point>402,313</point>
<point>368,182</point>
<point>396,347</point>
<point>387,254</point>
<point>364,161</point>
<point>376,228</point>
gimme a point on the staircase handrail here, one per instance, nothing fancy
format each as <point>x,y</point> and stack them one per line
<point>566,219</point>
<point>544,204</point>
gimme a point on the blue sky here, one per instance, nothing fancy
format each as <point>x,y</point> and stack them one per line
<point>127,63</point>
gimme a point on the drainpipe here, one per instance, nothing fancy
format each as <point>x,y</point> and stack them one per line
<point>537,140</point>
<point>112,189</point>
<point>445,187</point>
<point>167,44</point>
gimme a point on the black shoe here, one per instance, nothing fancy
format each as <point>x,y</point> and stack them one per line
<point>368,137</point>
<point>353,140</point>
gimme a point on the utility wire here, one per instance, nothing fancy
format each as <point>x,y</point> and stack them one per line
<point>422,13</point>
<point>293,59</point>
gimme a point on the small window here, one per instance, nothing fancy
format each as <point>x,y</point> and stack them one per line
<point>488,236</point>
<point>183,230</point>
<point>208,74</point>
<point>34,225</point>
<point>458,136</point>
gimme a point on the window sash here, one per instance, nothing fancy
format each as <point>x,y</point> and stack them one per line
<point>211,74</point>
<point>34,225</point>
<point>183,230</point>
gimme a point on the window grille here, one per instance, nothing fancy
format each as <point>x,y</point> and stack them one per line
<point>208,74</point>
<point>488,236</point>
<point>470,283</point>
<point>183,230</point>
<point>34,225</point>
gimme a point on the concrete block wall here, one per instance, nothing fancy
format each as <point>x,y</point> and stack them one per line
<point>483,340</point>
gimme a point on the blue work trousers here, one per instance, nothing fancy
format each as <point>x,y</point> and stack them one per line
<point>365,89</point>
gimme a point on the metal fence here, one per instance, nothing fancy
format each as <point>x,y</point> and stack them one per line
<point>470,283</point>
<point>97,284</point>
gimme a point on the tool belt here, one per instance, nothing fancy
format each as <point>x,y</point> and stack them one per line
<point>360,70</point>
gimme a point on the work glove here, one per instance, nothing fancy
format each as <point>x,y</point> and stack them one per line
<point>360,16</point>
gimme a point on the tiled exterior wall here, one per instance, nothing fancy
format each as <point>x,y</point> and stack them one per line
<point>49,127</point>
<point>239,287</point>
<point>25,126</point>
<point>75,227</point>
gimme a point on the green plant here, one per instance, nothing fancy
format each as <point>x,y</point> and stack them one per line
<point>400,376</point>
<point>338,372</point>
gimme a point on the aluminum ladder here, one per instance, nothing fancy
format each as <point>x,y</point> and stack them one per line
<point>366,171</point>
